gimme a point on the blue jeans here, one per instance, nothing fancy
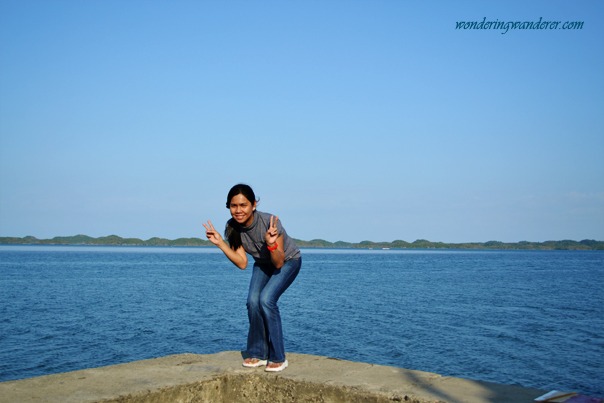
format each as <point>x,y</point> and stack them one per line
<point>265,337</point>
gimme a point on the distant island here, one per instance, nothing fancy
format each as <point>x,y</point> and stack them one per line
<point>114,240</point>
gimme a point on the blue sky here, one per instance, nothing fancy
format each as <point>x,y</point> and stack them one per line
<point>353,120</point>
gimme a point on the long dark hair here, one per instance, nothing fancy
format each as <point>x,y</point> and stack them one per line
<point>233,228</point>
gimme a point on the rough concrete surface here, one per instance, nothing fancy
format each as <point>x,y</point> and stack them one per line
<point>221,378</point>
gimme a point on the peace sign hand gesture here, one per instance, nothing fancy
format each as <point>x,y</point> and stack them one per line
<point>272,233</point>
<point>211,233</point>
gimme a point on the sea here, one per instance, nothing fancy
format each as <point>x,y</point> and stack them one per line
<point>528,318</point>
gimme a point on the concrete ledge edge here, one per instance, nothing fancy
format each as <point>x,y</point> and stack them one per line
<point>220,377</point>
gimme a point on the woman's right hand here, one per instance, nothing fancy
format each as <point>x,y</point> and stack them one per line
<point>211,233</point>
<point>238,257</point>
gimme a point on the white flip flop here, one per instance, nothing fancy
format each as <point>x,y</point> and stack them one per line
<point>281,367</point>
<point>256,364</point>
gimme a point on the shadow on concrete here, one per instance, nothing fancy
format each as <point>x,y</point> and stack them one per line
<point>459,390</point>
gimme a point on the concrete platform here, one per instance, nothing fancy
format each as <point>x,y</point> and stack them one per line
<point>221,378</point>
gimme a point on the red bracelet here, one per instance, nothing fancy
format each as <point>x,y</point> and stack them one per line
<point>272,248</point>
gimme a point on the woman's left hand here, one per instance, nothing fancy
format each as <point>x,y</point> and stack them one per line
<point>272,234</point>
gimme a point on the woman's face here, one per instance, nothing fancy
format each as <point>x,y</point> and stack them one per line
<point>242,210</point>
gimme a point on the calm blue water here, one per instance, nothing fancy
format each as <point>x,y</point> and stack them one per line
<point>517,317</point>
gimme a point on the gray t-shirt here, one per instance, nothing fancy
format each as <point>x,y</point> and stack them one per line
<point>252,239</point>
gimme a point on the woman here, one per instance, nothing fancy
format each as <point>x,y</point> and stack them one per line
<point>277,261</point>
